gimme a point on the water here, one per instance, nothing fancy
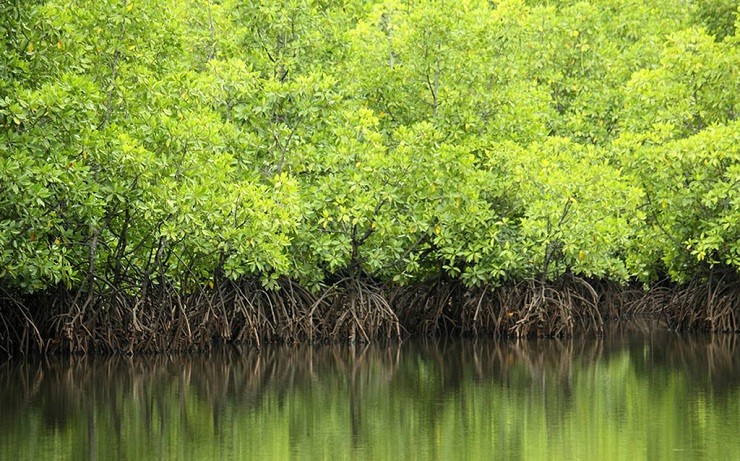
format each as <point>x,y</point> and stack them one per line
<point>635,394</point>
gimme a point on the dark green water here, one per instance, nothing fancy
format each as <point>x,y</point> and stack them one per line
<point>634,394</point>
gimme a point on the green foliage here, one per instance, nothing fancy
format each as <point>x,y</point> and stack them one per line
<point>577,211</point>
<point>692,191</point>
<point>179,143</point>
<point>718,16</point>
<point>48,199</point>
<point>450,65</point>
<point>696,85</point>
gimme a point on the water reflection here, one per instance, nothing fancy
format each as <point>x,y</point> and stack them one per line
<point>636,393</point>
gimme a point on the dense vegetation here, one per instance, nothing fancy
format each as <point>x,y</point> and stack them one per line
<point>177,171</point>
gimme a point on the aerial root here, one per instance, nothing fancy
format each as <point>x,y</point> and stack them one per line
<point>158,317</point>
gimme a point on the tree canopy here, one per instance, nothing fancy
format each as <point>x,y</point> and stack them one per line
<point>172,143</point>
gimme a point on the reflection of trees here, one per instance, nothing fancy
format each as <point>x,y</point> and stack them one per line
<point>62,388</point>
<point>193,394</point>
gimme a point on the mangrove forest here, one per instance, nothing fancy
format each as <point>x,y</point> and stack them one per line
<point>178,174</point>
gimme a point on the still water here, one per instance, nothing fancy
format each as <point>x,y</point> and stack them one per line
<point>636,393</point>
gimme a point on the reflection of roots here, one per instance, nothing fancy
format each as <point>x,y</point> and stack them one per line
<point>62,388</point>
<point>245,379</point>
